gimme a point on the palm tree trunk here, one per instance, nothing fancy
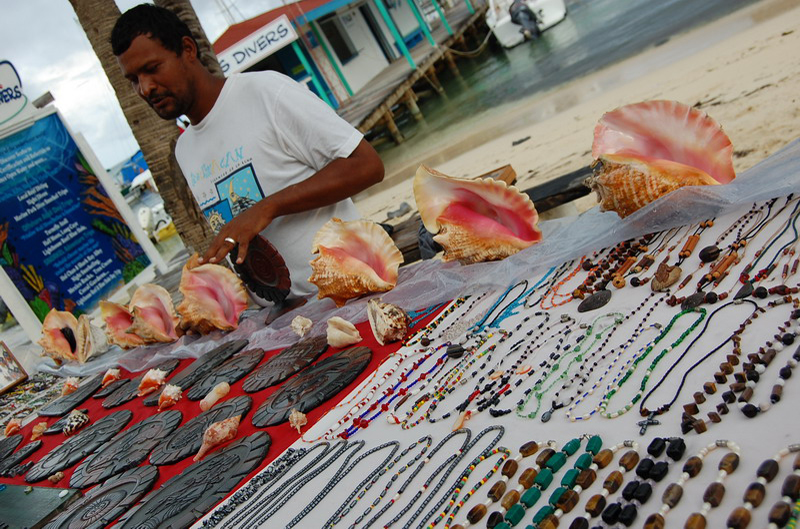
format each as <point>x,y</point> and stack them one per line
<point>185,11</point>
<point>155,136</point>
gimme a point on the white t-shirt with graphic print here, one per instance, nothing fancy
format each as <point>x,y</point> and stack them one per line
<point>264,133</point>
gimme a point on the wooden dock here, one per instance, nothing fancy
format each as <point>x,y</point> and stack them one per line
<point>372,106</point>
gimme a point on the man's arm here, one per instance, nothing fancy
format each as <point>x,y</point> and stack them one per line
<point>340,179</point>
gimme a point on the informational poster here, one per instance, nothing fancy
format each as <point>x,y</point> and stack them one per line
<point>63,242</point>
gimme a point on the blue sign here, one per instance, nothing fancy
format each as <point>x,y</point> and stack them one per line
<point>63,242</point>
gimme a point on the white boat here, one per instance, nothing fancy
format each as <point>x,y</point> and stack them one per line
<point>548,13</point>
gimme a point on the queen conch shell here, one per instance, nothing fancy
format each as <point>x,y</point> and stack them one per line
<point>301,325</point>
<point>59,336</point>
<point>217,392</point>
<point>646,150</point>
<point>154,318</point>
<point>118,320</point>
<point>342,333</point>
<point>91,340</point>
<point>213,297</point>
<point>389,323</point>
<point>297,420</point>
<point>475,220</point>
<point>355,258</point>
<point>218,433</point>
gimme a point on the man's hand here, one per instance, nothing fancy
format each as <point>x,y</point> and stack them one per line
<point>241,230</point>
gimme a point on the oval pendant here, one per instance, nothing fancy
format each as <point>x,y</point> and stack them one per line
<point>595,301</point>
<point>709,254</point>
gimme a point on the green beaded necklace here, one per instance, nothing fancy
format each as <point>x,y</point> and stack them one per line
<point>643,385</point>
<point>576,353</point>
<point>545,477</point>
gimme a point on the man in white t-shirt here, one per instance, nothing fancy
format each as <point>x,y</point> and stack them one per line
<point>262,154</point>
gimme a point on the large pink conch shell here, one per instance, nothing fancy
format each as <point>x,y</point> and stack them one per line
<point>217,392</point>
<point>475,220</point>
<point>170,395</point>
<point>59,336</point>
<point>218,433</point>
<point>118,320</point>
<point>151,381</point>
<point>213,297</point>
<point>91,340</point>
<point>154,317</point>
<point>355,258</point>
<point>646,150</point>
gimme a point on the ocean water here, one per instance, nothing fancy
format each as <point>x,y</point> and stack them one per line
<point>595,34</point>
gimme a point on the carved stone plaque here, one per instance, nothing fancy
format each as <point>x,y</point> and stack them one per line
<point>286,363</point>
<point>186,440</point>
<point>313,386</point>
<point>111,388</point>
<point>9,444</point>
<point>104,504</point>
<point>126,450</point>
<point>188,496</point>
<point>10,462</point>
<point>130,391</point>
<point>263,271</point>
<point>200,368</point>
<point>230,372</point>
<point>79,446</point>
<point>67,403</point>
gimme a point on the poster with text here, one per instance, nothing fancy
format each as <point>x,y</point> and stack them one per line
<point>63,242</point>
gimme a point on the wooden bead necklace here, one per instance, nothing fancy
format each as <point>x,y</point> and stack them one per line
<point>744,383</point>
<point>741,516</point>
<point>554,462</point>
<point>581,395</point>
<point>649,470</point>
<point>643,385</point>
<point>791,222</point>
<point>713,494</point>
<point>613,482</point>
<point>735,337</point>
<point>498,490</point>
<point>554,362</point>
<point>638,272</point>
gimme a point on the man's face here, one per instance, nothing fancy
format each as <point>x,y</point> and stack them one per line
<point>159,76</point>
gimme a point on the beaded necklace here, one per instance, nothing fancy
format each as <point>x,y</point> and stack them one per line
<point>735,337</point>
<point>713,494</point>
<point>259,485</point>
<point>498,491</point>
<point>263,505</point>
<point>612,483</point>
<point>447,467</point>
<point>754,495</point>
<point>762,274</point>
<point>581,395</point>
<point>361,490</point>
<point>643,385</point>
<point>744,384</point>
<point>500,431</point>
<point>522,371</point>
<point>636,492</point>
<point>536,392</point>
<point>554,287</point>
<point>648,260</point>
<point>542,481</point>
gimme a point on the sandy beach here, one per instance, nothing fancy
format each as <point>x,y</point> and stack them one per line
<point>747,82</point>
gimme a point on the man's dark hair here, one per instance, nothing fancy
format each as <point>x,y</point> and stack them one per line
<point>151,21</point>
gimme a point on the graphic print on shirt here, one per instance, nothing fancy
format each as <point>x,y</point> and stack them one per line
<point>237,192</point>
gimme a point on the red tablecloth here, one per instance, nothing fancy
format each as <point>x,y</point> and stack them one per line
<point>282,435</point>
